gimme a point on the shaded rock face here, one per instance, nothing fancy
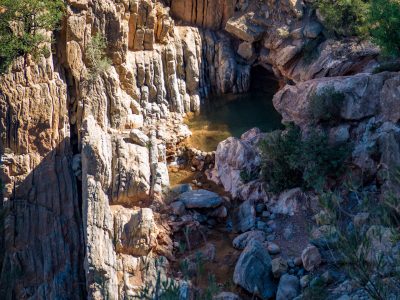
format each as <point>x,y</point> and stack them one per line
<point>43,230</point>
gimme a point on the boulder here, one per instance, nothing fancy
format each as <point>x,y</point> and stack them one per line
<point>178,208</point>
<point>253,271</point>
<point>279,267</point>
<point>139,138</point>
<point>311,258</point>
<point>325,236</point>
<point>288,288</point>
<point>246,217</point>
<point>246,50</point>
<point>241,241</point>
<point>273,248</point>
<point>200,199</point>
<point>243,28</point>
<point>227,296</point>
<point>136,231</point>
<point>288,202</point>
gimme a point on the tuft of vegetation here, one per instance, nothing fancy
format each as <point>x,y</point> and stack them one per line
<point>23,24</point>
<point>378,20</point>
<point>247,176</point>
<point>289,161</point>
<point>384,23</point>
<point>96,56</point>
<point>325,105</point>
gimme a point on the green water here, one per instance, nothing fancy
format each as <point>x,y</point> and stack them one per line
<point>232,115</point>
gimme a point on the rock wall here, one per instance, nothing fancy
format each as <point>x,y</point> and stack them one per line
<point>204,13</point>
<point>84,161</point>
<point>43,233</point>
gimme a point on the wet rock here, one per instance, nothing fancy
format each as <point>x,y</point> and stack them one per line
<point>311,258</point>
<point>279,267</point>
<point>246,217</point>
<point>178,208</point>
<point>200,199</point>
<point>288,288</point>
<point>138,137</point>
<point>241,241</point>
<point>253,271</point>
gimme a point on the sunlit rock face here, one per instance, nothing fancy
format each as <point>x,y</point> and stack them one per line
<point>79,182</point>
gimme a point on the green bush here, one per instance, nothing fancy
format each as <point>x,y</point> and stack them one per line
<point>344,17</point>
<point>325,106</point>
<point>96,56</point>
<point>384,20</point>
<point>22,23</point>
<point>289,161</point>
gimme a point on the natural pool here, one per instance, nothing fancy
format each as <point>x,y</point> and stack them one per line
<point>231,115</point>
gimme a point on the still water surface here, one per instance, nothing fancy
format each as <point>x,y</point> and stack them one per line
<point>232,115</point>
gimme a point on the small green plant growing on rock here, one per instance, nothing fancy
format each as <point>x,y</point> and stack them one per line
<point>325,105</point>
<point>23,26</point>
<point>96,56</point>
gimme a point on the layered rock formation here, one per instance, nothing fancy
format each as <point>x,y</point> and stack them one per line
<point>84,161</point>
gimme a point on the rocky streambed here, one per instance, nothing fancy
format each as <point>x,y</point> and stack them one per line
<point>236,247</point>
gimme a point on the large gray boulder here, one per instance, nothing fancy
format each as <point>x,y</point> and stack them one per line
<point>289,287</point>
<point>365,95</point>
<point>200,199</point>
<point>253,271</point>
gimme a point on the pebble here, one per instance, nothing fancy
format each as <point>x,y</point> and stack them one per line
<point>273,248</point>
<point>271,237</point>
<point>304,281</point>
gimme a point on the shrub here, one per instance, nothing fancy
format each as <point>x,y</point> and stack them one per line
<point>96,57</point>
<point>376,273</point>
<point>384,20</point>
<point>278,151</point>
<point>344,17</point>
<point>22,23</point>
<point>289,161</point>
<point>326,105</point>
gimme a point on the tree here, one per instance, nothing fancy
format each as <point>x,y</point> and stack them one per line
<point>23,27</point>
<point>384,19</point>
<point>344,17</point>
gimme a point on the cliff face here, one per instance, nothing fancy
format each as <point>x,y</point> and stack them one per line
<point>84,162</point>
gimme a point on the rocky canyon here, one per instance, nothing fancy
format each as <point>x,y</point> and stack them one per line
<point>103,198</point>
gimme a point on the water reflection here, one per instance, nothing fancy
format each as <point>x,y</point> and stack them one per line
<point>231,115</point>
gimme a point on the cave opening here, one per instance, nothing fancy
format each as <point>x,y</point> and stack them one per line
<point>228,115</point>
